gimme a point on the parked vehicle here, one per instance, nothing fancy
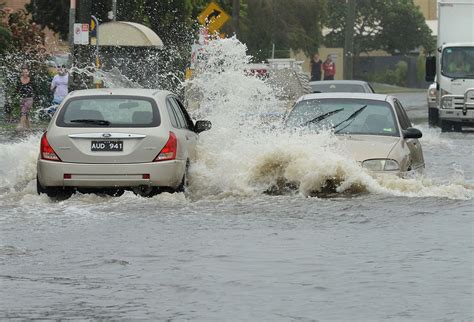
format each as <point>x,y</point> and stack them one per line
<point>454,65</point>
<point>348,86</point>
<point>116,139</point>
<point>378,130</point>
<point>431,99</point>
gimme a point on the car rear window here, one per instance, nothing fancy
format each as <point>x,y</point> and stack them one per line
<point>106,111</point>
<point>333,88</point>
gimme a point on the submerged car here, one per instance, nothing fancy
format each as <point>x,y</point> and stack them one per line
<point>118,139</point>
<point>377,128</point>
<point>341,86</point>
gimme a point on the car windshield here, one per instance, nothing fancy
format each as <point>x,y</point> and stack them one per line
<point>329,88</point>
<point>458,62</point>
<point>349,116</point>
<point>109,112</point>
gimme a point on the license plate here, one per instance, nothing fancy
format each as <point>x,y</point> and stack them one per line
<point>107,146</point>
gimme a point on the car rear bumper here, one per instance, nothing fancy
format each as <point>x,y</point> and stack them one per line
<point>80,175</point>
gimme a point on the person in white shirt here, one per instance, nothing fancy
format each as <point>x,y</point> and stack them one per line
<point>59,85</point>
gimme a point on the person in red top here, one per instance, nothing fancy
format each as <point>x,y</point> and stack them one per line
<point>329,69</point>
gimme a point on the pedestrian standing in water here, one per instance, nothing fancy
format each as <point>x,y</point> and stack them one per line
<point>329,69</point>
<point>26,91</point>
<point>59,85</point>
<point>316,64</point>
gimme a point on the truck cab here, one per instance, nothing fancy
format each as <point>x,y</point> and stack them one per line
<point>453,67</point>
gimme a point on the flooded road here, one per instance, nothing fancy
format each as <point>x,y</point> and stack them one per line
<point>401,251</point>
<point>375,249</point>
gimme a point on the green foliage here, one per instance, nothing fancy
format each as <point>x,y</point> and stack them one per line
<point>51,14</point>
<point>401,73</point>
<point>5,39</point>
<point>27,48</point>
<point>397,76</point>
<point>396,26</point>
<point>5,34</point>
<point>420,68</point>
<point>288,24</point>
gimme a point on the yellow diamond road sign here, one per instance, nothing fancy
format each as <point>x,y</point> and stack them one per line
<point>213,17</point>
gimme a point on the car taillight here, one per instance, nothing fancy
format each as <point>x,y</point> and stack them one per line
<point>169,150</point>
<point>46,151</point>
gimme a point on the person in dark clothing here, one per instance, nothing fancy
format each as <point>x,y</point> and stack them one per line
<point>315,65</point>
<point>25,89</point>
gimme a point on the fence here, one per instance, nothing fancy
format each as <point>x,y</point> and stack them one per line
<point>405,71</point>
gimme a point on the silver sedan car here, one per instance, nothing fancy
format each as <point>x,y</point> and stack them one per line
<point>377,128</point>
<point>117,139</point>
<point>341,86</point>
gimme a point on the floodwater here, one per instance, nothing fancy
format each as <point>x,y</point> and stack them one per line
<point>385,249</point>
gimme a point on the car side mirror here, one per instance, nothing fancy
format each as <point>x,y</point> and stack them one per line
<point>412,133</point>
<point>430,68</point>
<point>202,126</point>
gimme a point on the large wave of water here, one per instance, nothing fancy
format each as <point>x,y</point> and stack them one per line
<point>243,157</point>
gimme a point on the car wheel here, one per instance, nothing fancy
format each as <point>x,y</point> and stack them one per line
<point>145,191</point>
<point>55,193</point>
<point>433,117</point>
<point>39,187</point>
<point>184,182</point>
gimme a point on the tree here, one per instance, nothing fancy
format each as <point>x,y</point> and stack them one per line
<point>26,48</point>
<point>5,34</point>
<point>396,26</point>
<point>51,14</point>
<point>405,29</point>
<point>287,24</point>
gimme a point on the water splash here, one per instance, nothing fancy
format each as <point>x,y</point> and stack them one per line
<point>243,156</point>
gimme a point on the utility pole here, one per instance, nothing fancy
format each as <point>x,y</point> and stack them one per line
<point>114,10</point>
<point>236,16</point>
<point>349,39</point>
<point>72,20</point>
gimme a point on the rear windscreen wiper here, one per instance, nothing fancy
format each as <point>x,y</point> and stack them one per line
<point>322,117</point>
<point>91,121</point>
<point>350,118</point>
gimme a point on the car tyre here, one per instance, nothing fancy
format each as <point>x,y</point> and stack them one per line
<point>39,188</point>
<point>145,191</point>
<point>184,182</point>
<point>56,193</point>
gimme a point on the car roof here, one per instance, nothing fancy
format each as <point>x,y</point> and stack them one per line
<point>120,92</point>
<point>369,96</point>
<point>349,81</point>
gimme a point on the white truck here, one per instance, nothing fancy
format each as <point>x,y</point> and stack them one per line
<point>453,66</point>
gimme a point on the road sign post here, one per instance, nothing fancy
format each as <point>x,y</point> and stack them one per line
<point>213,17</point>
<point>95,35</point>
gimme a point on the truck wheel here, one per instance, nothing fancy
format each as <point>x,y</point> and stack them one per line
<point>457,127</point>
<point>433,117</point>
<point>446,126</point>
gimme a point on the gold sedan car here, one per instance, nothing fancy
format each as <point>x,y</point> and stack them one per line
<point>377,128</point>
